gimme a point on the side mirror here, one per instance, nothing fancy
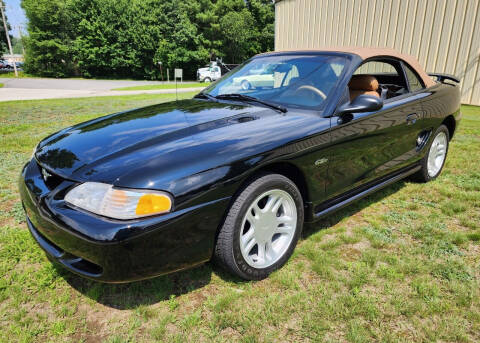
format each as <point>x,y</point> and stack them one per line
<point>362,103</point>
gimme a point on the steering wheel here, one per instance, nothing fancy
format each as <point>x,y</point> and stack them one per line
<point>312,89</point>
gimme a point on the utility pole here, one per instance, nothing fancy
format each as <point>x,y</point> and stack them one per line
<point>2,6</point>
<point>20,27</point>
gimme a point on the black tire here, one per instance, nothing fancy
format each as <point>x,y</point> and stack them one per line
<point>227,250</point>
<point>207,80</point>
<point>422,175</point>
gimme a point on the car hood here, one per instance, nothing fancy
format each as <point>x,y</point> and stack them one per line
<point>79,152</point>
<point>155,146</point>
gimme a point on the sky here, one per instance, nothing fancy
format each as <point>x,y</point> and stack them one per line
<point>16,16</point>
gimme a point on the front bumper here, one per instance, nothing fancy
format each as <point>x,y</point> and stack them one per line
<point>111,250</point>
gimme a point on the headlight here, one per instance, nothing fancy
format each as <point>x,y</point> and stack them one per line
<point>103,199</point>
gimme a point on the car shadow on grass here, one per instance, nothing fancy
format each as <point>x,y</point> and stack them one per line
<point>147,292</point>
<point>168,287</point>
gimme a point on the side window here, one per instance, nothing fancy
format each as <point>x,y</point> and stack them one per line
<point>375,68</point>
<point>389,75</point>
<point>413,80</point>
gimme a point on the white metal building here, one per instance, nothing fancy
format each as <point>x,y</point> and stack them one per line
<point>444,35</point>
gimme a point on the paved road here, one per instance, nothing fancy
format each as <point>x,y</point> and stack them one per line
<point>28,89</point>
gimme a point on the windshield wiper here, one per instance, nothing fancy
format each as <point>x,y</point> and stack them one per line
<point>238,96</point>
<point>205,96</point>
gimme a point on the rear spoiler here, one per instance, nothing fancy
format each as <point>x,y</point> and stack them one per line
<point>443,77</point>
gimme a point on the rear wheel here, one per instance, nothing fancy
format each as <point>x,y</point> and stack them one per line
<point>433,162</point>
<point>246,85</point>
<point>262,227</point>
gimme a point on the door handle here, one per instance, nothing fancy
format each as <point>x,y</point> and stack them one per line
<point>412,119</point>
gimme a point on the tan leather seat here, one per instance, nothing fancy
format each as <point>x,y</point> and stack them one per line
<point>363,84</point>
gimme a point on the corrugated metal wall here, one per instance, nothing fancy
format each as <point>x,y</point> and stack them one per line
<point>443,34</point>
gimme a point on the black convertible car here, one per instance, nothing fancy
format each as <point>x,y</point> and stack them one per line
<point>233,174</point>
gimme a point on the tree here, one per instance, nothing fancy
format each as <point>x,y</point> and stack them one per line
<point>238,31</point>
<point>183,47</point>
<point>48,45</point>
<point>17,45</point>
<point>3,36</point>
<point>263,12</point>
<point>128,38</point>
<point>104,39</point>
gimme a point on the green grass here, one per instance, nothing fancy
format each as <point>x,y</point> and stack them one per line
<point>1,85</point>
<point>163,86</point>
<point>399,266</point>
<point>11,75</point>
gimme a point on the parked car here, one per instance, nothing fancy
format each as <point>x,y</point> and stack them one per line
<point>3,64</point>
<point>8,65</point>
<point>254,81</point>
<point>233,174</point>
<point>263,76</point>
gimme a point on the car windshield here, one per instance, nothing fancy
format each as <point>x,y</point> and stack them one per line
<point>289,80</point>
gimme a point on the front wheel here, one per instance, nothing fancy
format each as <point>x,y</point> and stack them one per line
<point>262,228</point>
<point>207,80</point>
<point>433,162</point>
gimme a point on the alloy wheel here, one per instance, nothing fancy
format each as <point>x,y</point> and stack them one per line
<point>437,154</point>
<point>268,228</point>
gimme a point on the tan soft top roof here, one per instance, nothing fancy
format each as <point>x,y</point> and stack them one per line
<point>366,53</point>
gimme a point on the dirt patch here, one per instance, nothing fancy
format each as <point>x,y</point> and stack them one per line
<point>98,318</point>
<point>91,335</point>
<point>352,252</point>
<point>230,334</point>
<point>348,253</point>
